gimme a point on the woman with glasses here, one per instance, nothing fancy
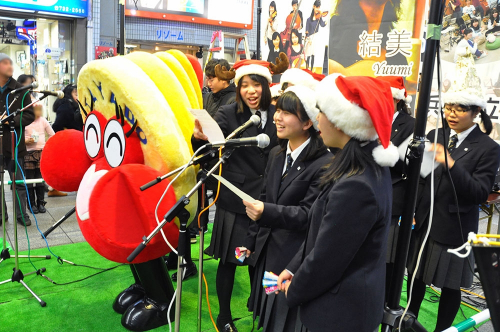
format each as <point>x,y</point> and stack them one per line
<point>469,161</point>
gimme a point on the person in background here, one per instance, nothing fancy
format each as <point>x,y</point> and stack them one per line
<point>34,137</point>
<point>295,49</point>
<point>15,168</point>
<point>276,49</point>
<point>291,185</point>
<point>65,110</point>
<point>402,128</point>
<point>494,23</point>
<point>271,27</point>
<point>222,92</point>
<point>245,169</point>
<point>478,31</point>
<point>337,277</point>
<point>470,10</point>
<point>315,47</point>
<point>468,44</point>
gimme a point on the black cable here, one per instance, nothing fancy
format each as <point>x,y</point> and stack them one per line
<point>79,280</point>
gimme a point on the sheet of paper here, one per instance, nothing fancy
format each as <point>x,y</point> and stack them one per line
<point>234,189</point>
<point>427,160</point>
<point>210,127</point>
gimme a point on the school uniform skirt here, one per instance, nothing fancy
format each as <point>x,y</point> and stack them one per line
<point>439,267</point>
<point>273,311</point>
<point>229,231</point>
<point>392,240</point>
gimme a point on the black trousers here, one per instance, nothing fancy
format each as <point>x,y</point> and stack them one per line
<point>37,189</point>
<point>10,166</point>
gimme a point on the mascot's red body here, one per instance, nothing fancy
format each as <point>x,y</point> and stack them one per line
<point>105,164</point>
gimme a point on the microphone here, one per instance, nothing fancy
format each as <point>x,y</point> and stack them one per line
<point>33,85</point>
<point>58,94</point>
<point>260,141</point>
<point>253,121</point>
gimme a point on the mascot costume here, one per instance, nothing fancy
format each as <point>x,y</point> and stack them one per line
<point>137,127</point>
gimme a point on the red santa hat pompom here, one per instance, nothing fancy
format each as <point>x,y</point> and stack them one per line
<point>362,107</point>
<point>398,88</point>
<point>253,67</point>
<point>304,77</point>
<point>308,100</point>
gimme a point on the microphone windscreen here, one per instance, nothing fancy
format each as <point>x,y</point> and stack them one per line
<point>255,119</point>
<point>60,94</point>
<point>263,141</point>
<point>34,85</point>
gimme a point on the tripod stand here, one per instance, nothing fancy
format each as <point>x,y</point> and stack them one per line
<point>393,313</point>
<point>17,275</point>
<point>179,210</point>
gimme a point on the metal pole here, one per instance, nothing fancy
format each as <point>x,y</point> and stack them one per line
<point>432,43</point>
<point>259,13</point>
<point>122,27</point>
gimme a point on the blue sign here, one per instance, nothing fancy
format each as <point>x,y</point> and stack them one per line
<point>173,35</point>
<point>64,7</point>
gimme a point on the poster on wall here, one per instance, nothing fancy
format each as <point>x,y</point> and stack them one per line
<point>77,8</point>
<point>234,13</point>
<point>377,38</point>
<point>299,28</point>
<point>473,29</point>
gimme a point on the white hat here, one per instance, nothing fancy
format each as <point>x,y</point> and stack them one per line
<point>308,100</point>
<point>296,76</point>
<point>275,90</point>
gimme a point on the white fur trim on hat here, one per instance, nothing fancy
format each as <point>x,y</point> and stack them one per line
<point>464,98</point>
<point>308,100</point>
<point>386,157</point>
<point>252,69</point>
<point>275,91</point>
<point>398,93</point>
<point>408,99</point>
<point>296,76</point>
<point>348,117</point>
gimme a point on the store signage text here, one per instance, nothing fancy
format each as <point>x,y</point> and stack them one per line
<point>176,35</point>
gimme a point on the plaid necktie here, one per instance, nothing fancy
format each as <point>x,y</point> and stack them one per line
<point>289,162</point>
<point>259,127</point>
<point>452,145</point>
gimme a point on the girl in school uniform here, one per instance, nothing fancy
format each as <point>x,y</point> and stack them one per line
<point>337,277</point>
<point>402,127</point>
<point>473,159</point>
<point>245,169</point>
<point>291,185</point>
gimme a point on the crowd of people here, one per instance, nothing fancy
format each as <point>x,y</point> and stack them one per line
<point>33,130</point>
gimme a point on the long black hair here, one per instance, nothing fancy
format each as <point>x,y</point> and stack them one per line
<point>349,161</point>
<point>276,34</point>
<point>492,19</point>
<point>290,103</point>
<point>403,107</point>
<point>265,98</point>
<point>298,34</point>
<point>68,90</point>
<point>317,3</point>
<point>273,4</point>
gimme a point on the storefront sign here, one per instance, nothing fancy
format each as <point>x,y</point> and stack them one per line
<point>172,35</point>
<point>68,7</point>
<point>102,52</point>
<point>234,13</point>
<point>53,53</point>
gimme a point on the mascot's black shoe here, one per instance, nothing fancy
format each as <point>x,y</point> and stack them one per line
<point>145,315</point>
<point>128,297</point>
<point>171,261</point>
<point>226,327</point>
<point>190,271</point>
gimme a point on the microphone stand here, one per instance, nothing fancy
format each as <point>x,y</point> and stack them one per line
<point>179,210</point>
<point>17,275</point>
<point>393,312</point>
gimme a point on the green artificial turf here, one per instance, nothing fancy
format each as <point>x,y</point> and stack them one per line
<point>87,305</point>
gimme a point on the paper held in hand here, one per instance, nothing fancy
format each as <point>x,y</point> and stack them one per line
<point>236,191</point>
<point>210,127</point>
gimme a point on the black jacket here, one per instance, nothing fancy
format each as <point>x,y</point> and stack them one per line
<point>245,168</point>
<point>476,164</point>
<point>401,128</point>
<point>214,101</point>
<point>27,117</point>
<point>65,116</point>
<point>286,206</point>
<point>339,284</point>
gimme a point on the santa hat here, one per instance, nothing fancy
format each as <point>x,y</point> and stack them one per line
<point>466,89</point>
<point>275,90</point>
<point>253,67</point>
<point>304,77</point>
<point>361,107</point>
<point>308,100</point>
<point>397,87</point>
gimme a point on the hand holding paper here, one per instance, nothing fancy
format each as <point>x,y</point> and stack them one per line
<point>270,283</point>
<point>209,128</point>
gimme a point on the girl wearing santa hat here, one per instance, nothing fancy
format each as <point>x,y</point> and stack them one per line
<point>472,159</point>
<point>245,169</point>
<point>402,127</point>
<point>337,277</point>
<point>291,185</point>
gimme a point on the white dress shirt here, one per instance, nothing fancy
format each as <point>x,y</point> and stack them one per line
<point>463,135</point>
<point>295,153</point>
<point>395,116</point>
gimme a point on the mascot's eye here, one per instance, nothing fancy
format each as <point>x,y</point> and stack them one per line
<point>92,136</point>
<point>114,143</point>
